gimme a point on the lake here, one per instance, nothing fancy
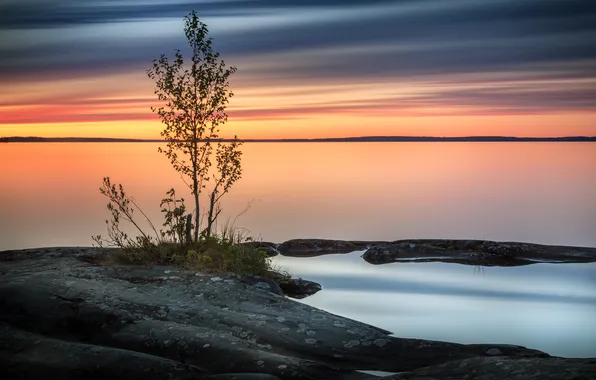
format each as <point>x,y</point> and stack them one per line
<point>530,192</point>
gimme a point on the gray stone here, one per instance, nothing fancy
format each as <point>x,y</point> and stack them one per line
<point>25,355</point>
<point>61,308</point>
<point>315,247</point>
<point>476,252</point>
<point>501,368</point>
<point>298,288</point>
<point>262,283</point>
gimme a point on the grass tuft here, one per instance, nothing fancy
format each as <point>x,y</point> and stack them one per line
<point>222,253</point>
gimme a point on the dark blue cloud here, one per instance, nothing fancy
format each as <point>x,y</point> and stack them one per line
<point>429,13</point>
<point>31,13</point>
<point>332,40</point>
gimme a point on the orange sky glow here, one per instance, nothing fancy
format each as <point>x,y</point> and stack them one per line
<point>118,105</point>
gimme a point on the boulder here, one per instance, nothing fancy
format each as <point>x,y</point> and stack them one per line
<point>292,287</point>
<point>476,252</point>
<point>59,307</point>
<point>262,283</point>
<point>299,288</point>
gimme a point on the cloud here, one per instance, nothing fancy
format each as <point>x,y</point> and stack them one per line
<point>290,42</point>
<point>57,13</point>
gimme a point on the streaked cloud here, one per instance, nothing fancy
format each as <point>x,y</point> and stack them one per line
<point>442,57</point>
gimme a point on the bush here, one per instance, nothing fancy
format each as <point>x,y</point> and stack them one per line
<point>221,253</point>
<point>214,255</point>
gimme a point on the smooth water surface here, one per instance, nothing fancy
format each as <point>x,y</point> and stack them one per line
<point>532,192</point>
<point>551,307</point>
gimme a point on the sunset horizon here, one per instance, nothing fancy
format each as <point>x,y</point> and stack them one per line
<point>308,69</point>
<point>355,138</point>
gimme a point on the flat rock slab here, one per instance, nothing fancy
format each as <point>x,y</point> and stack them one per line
<point>319,247</point>
<point>468,252</point>
<point>59,307</point>
<point>315,247</point>
<point>476,252</point>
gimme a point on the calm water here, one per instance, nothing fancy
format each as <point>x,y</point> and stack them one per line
<point>534,192</point>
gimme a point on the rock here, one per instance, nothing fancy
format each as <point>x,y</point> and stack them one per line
<point>76,306</point>
<point>476,252</point>
<point>299,288</point>
<point>295,288</point>
<point>31,356</point>
<point>312,247</point>
<point>365,244</point>
<point>262,283</point>
<point>241,376</point>
<point>315,247</point>
<point>499,368</point>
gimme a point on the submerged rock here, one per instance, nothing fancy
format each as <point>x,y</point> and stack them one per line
<point>476,252</point>
<point>59,308</point>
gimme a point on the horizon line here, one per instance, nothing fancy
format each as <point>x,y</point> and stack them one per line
<point>372,138</point>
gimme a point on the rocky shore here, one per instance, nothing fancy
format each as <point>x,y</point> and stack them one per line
<point>468,252</point>
<point>67,314</point>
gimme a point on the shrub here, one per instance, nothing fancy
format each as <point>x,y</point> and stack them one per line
<point>223,252</point>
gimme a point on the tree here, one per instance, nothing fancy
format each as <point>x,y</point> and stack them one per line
<point>194,106</point>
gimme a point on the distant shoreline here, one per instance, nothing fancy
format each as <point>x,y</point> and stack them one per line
<point>19,139</point>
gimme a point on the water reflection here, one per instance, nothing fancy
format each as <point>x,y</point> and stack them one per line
<point>550,307</point>
<point>533,192</point>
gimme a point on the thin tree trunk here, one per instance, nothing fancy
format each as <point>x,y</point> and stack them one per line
<point>197,215</point>
<point>210,218</point>
<point>188,229</point>
<point>195,184</point>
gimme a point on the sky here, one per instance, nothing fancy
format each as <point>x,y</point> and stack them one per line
<point>307,68</point>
